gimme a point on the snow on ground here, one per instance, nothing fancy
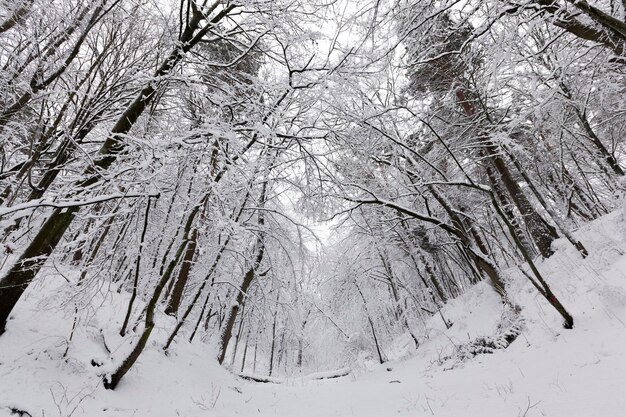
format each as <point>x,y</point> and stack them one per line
<point>547,371</point>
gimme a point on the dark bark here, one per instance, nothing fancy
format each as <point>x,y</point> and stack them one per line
<point>245,349</point>
<point>540,283</point>
<point>209,314</point>
<point>15,282</point>
<point>481,262</point>
<point>568,21</point>
<point>261,379</point>
<point>503,199</point>
<point>110,382</point>
<point>19,276</point>
<point>241,296</point>
<point>170,207</point>
<point>615,26</point>
<point>183,276</point>
<point>273,346</point>
<point>248,278</point>
<point>17,16</point>
<point>300,353</point>
<point>540,231</point>
<point>301,340</point>
<point>210,277</point>
<point>256,345</point>
<point>555,216</point>
<point>242,321</point>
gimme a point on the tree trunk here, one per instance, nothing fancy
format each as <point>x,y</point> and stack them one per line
<point>137,265</point>
<point>541,285</point>
<point>371,323</point>
<point>20,275</point>
<point>273,346</point>
<point>248,278</point>
<point>17,16</point>
<point>540,231</point>
<point>183,276</point>
<point>241,296</point>
<point>112,381</point>
<point>555,216</point>
<point>245,350</point>
<point>482,262</point>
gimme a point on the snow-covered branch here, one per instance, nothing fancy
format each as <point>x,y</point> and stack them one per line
<point>34,204</point>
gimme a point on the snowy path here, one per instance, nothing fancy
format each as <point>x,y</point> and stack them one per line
<point>579,375</point>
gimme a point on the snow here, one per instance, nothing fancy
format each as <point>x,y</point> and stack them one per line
<point>547,371</point>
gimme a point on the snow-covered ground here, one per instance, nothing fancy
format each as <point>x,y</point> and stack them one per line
<point>547,371</point>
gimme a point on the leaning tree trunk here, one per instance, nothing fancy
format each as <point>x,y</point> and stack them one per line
<point>553,214</point>
<point>17,16</point>
<point>273,346</point>
<point>507,207</point>
<point>247,280</point>
<point>540,231</point>
<point>183,276</point>
<point>210,277</point>
<point>371,323</point>
<point>480,256</point>
<point>538,282</point>
<point>606,36</point>
<point>133,296</point>
<point>243,290</point>
<point>20,275</point>
<point>110,382</point>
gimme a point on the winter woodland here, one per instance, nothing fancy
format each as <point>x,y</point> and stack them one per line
<point>226,208</point>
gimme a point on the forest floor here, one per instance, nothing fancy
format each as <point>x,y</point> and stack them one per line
<point>547,371</point>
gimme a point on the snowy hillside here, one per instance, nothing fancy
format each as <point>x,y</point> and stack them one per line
<point>547,371</point>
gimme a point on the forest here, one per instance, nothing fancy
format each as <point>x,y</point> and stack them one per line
<point>284,197</point>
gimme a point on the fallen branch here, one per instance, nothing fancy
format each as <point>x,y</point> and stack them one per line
<point>328,374</point>
<point>262,379</point>
<point>310,377</point>
<point>19,412</point>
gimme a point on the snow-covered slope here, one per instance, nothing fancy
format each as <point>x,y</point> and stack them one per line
<point>547,371</point>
